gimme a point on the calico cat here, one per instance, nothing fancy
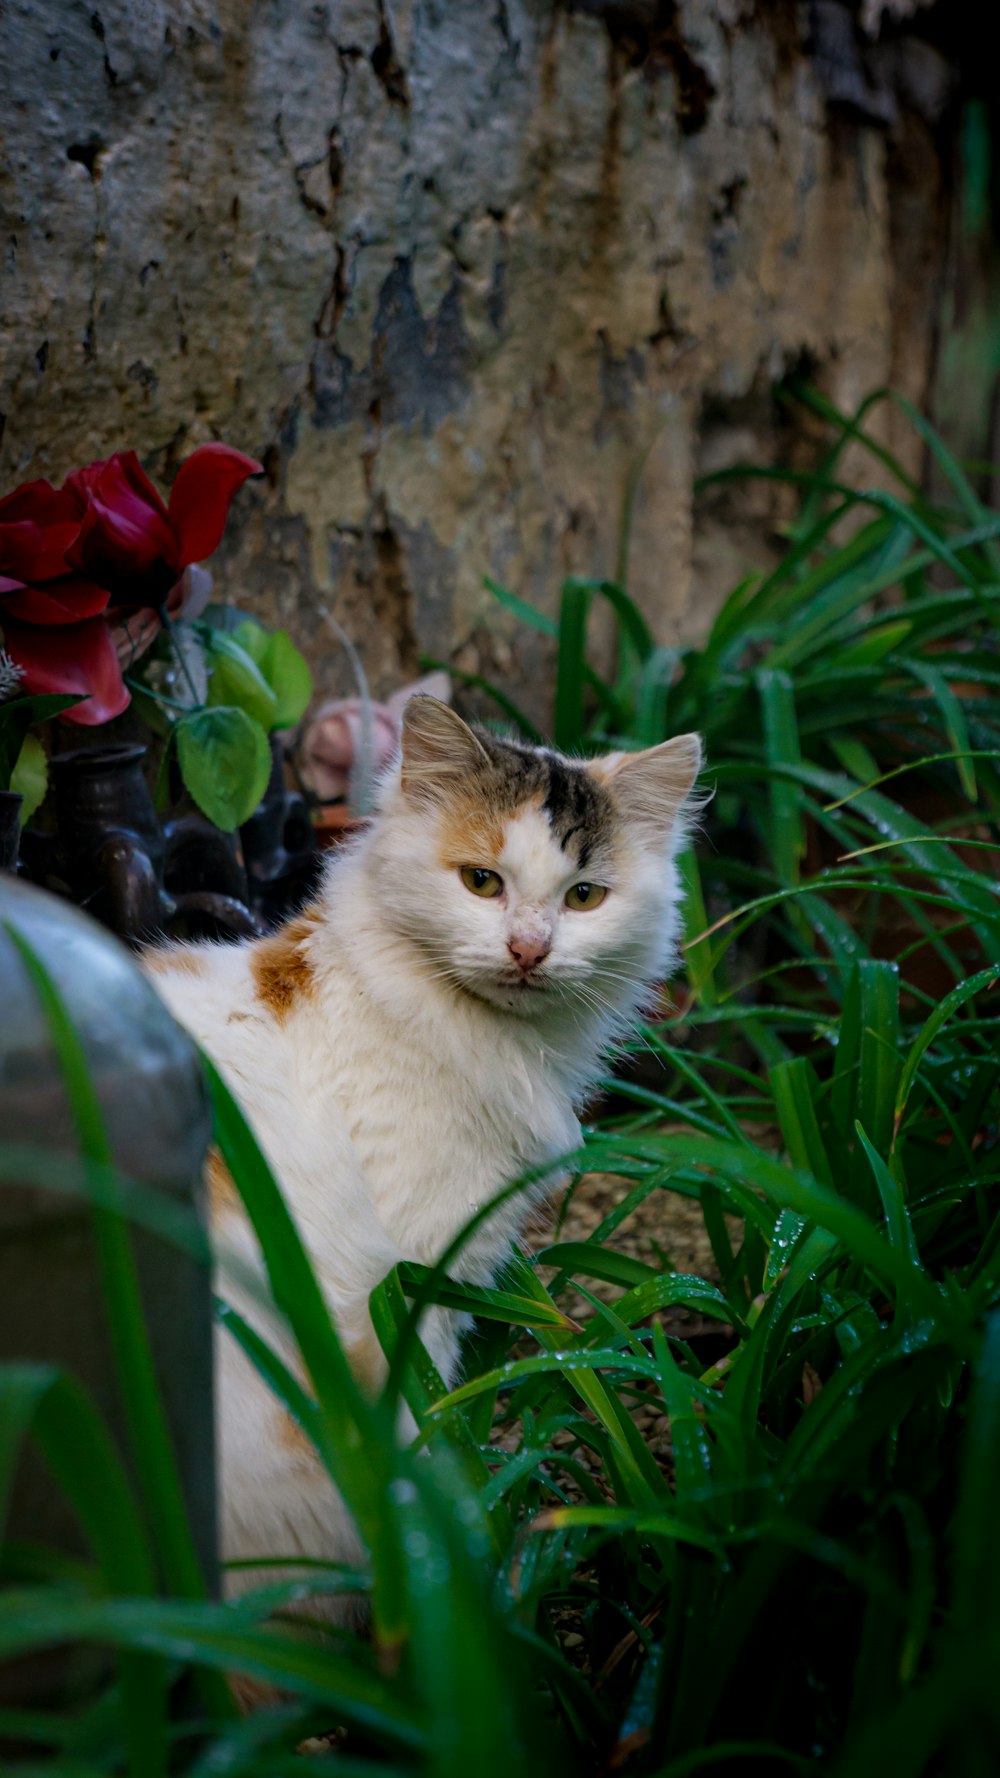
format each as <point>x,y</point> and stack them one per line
<point>421,1035</point>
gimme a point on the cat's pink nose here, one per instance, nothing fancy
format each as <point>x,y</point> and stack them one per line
<point>526,952</point>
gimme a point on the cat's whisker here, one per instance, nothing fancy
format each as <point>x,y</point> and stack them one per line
<point>603,1006</point>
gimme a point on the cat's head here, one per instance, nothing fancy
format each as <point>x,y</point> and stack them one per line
<point>530,880</point>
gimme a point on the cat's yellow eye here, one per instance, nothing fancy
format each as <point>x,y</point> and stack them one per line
<point>482,882</point>
<point>584,896</point>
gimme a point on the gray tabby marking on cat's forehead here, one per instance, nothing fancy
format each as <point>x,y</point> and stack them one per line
<point>579,810</point>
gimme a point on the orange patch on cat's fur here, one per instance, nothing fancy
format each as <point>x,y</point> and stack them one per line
<point>282,971</point>
<point>292,1437</point>
<point>470,834</point>
<point>222,1193</point>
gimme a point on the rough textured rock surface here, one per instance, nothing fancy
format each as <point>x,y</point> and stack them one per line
<point>472,279</point>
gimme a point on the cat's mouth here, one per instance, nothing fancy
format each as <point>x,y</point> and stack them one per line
<point>525,990</point>
<point>511,991</point>
<point>524,984</point>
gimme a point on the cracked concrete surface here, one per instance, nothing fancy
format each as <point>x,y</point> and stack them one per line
<point>465,276</point>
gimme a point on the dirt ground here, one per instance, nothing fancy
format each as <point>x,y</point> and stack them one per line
<point>664,1223</point>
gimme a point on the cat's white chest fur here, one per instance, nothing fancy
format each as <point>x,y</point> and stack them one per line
<point>440,1122</point>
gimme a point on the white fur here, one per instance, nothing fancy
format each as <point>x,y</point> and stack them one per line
<point>419,1076</point>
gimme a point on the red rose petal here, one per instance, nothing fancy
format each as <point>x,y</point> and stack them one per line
<point>65,601</point>
<point>76,658</point>
<point>125,540</point>
<point>200,497</point>
<point>38,523</point>
<point>121,467</point>
<point>137,479</point>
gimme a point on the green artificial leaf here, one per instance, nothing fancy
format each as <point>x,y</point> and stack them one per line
<point>235,679</point>
<point>30,777</point>
<point>17,716</point>
<point>225,762</point>
<point>284,668</point>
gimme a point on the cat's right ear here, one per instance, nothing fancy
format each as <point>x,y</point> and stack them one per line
<point>439,750</point>
<point>652,787</point>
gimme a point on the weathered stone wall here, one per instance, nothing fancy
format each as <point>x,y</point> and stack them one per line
<point>468,275</point>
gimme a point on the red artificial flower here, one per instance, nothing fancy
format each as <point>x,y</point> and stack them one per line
<point>76,560</point>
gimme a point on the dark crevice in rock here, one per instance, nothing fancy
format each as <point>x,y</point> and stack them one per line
<point>330,369</point>
<point>725,235</point>
<point>312,197</point>
<point>501,19</point>
<point>668,331</point>
<point>309,202</point>
<point>271,461</point>
<point>86,153</point>
<point>418,368</point>
<point>648,34</point>
<point>727,204</point>
<point>496,300</point>
<point>386,65</point>
<point>392,591</point>
<point>369,459</point>
<point>333,307</point>
<point>146,377</point>
<point>42,357</point>
<point>335,161</point>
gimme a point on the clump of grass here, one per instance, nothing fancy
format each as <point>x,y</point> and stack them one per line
<point>806,1580</point>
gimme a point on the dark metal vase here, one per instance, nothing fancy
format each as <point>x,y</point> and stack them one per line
<point>111,855</point>
<point>110,841</point>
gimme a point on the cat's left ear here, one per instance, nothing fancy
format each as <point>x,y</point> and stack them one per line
<point>652,787</point>
<point>439,750</point>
